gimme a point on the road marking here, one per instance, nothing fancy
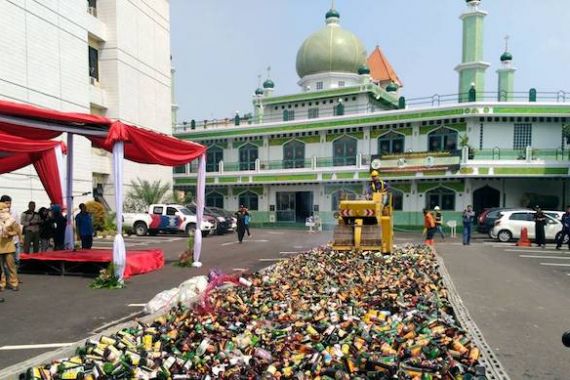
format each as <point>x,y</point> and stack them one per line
<point>30,346</point>
<point>545,257</point>
<point>556,264</point>
<point>297,246</point>
<point>260,241</point>
<point>536,251</point>
<point>229,243</point>
<point>270,259</point>
<point>240,269</point>
<point>136,305</point>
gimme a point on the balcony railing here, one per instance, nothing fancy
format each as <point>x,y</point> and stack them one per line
<point>497,154</point>
<point>326,111</point>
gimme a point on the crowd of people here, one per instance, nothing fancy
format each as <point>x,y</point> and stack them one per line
<point>33,232</point>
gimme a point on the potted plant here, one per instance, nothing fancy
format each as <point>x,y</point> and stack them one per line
<point>186,258</point>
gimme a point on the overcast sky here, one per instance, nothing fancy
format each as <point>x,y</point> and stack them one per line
<point>219,47</point>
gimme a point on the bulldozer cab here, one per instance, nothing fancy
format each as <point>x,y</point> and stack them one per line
<point>365,225</point>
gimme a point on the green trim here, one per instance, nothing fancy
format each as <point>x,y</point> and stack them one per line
<point>459,127</point>
<point>532,171</point>
<point>457,186</point>
<point>466,170</point>
<point>310,139</point>
<point>303,139</point>
<point>354,188</point>
<point>254,189</point>
<point>484,171</point>
<point>403,187</point>
<point>227,179</point>
<point>526,109</point>
<point>223,145</point>
<point>285,178</point>
<point>183,181</point>
<point>434,173</point>
<point>279,141</point>
<point>334,136</point>
<point>220,190</point>
<point>403,131</point>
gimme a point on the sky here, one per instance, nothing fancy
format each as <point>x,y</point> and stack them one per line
<point>219,47</point>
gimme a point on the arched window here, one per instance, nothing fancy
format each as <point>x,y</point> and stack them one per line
<point>339,109</point>
<point>249,199</point>
<point>214,155</point>
<point>341,195</point>
<point>215,200</point>
<point>344,151</point>
<point>442,197</point>
<point>247,157</point>
<point>294,154</point>
<point>442,140</point>
<point>391,143</point>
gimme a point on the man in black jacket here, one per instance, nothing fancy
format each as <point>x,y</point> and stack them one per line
<point>565,229</point>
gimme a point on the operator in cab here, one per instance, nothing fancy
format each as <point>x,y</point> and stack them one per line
<point>376,185</point>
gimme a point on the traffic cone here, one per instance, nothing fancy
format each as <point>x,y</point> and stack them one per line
<point>523,240</point>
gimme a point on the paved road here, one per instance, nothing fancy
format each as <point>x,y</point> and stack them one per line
<point>55,309</point>
<point>520,299</point>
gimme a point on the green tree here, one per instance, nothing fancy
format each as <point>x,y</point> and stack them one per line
<point>147,192</point>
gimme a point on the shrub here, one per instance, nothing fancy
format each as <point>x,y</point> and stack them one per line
<point>98,213</point>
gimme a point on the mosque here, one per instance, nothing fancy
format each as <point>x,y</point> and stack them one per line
<point>296,155</point>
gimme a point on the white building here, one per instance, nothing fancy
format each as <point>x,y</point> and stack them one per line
<point>106,57</point>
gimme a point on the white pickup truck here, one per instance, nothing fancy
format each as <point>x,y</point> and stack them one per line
<point>170,218</point>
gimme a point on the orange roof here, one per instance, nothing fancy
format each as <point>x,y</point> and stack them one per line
<point>380,68</point>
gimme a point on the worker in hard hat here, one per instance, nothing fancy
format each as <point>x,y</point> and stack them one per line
<point>377,186</point>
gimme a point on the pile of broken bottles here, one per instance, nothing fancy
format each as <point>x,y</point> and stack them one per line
<point>319,315</point>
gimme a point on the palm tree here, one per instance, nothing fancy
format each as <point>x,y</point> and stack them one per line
<point>148,192</point>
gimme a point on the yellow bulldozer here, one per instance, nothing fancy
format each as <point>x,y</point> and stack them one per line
<point>365,225</point>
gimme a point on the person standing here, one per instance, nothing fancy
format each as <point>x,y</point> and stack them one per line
<point>84,226</point>
<point>8,200</point>
<point>240,216</point>
<point>46,229</point>
<point>60,223</point>
<point>468,218</point>
<point>30,222</point>
<point>429,225</point>
<point>565,229</point>
<point>438,221</point>
<point>246,220</point>
<point>9,228</point>
<point>539,223</point>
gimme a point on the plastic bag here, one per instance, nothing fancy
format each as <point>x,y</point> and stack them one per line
<point>164,299</point>
<point>192,288</point>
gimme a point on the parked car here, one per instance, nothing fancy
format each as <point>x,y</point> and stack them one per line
<point>230,217</point>
<point>222,225</point>
<point>511,222</point>
<point>170,218</point>
<point>555,214</point>
<point>487,218</point>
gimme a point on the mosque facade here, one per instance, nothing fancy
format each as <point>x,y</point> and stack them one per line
<point>297,155</point>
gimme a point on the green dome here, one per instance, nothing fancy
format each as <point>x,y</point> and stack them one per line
<point>268,84</point>
<point>259,91</point>
<point>364,69</point>
<point>506,57</point>
<point>331,49</point>
<point>392,87</point>
<point>332,13</point>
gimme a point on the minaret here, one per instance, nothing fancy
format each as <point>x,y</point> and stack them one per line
<point>506,75</point>
<point>173,106</point>
<point>268,85</point>
<point>472,68</point>
<point>258,102</point>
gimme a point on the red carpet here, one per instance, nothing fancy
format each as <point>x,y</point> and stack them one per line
<point>138,262</point>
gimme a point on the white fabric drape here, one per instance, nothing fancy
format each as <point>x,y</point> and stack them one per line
<point>61,169</point>
<point>119,251</point>
<point>200,190</point>
<point>69,242</point>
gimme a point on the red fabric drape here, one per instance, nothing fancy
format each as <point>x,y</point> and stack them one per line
<point>48,171</point>
<point>17,152</point>
<point>149,147</point>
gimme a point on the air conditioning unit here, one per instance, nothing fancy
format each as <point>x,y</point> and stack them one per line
<point>94,81</point>
<point>92,11</point>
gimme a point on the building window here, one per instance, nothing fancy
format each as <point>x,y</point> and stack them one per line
<point>294,155</point>
<point>93,63</point>
<point>92,7</point>
<point>288,115</point>
<point>215,200</point>
<point>214,155</point>
<point>247,156</point>
<point>319,85</point>
<point>344,151</point>
<point>341,83</point>
<point>391,143</point>
<point>522,136</point>
<point>339,109</point>
<point>442,140</point>
<point>341,195</point>
<point>249,199</point>
<point>397,200</point>
<point>180,169</point>
<point>313,113</point>
<point>442,197</point>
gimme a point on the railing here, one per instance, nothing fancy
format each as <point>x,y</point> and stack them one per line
<point>327,109</point>
<point>285,164</point>
<point>499,154</point>
<point>325,162</point>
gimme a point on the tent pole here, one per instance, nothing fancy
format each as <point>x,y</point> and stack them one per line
<point>119,250</point>
<point>69,238</point>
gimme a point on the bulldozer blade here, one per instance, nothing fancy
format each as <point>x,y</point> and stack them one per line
<point>343,237</point>
<point>371,236</point>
